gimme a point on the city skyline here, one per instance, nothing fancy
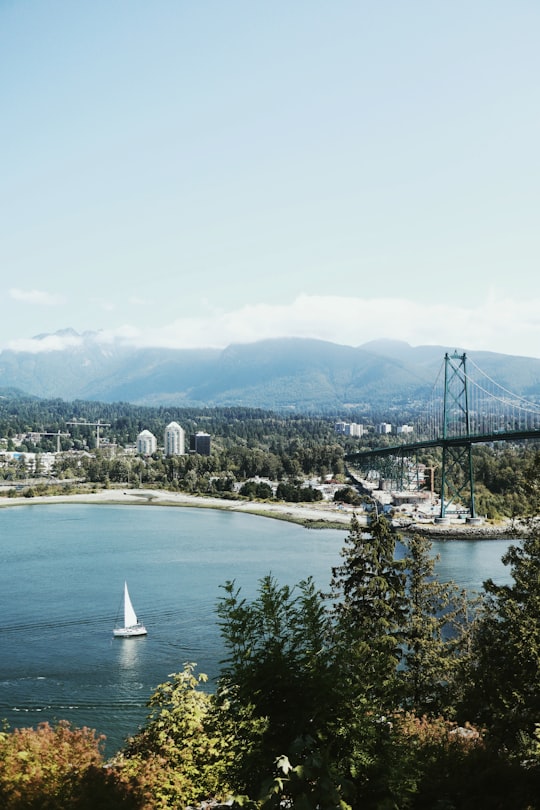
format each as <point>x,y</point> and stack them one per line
<point>189,175</point>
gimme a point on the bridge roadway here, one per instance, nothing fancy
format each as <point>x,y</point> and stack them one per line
<point>452,441</point>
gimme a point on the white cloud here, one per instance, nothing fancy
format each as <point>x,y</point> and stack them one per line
<point>36,297</point>
<point>497,324</point>
<point>500,325</point>
<point>49,343</point>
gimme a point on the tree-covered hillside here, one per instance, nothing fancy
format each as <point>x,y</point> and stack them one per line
<point>246,443</point>
<point>281,374</point>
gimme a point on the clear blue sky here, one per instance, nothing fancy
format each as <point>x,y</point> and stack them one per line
<point>196,173</point>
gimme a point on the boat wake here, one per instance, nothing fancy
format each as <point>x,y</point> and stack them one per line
<point>28,708</point>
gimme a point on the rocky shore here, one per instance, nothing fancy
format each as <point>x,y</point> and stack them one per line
<point>462,531</point>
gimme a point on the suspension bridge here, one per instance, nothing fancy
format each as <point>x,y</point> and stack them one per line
<point>466,407</point>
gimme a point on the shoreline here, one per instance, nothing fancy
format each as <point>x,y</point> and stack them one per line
<point>324,513</point>
<point>319,515</point>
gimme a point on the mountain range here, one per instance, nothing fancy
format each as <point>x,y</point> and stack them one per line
<point>278,374</point>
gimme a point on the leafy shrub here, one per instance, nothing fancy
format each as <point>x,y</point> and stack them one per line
<point>59,768</point>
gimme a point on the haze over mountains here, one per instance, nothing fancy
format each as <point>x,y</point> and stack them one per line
<point>279,374</point>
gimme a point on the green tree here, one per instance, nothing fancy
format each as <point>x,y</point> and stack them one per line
<point>503,688</point>
<point>528,485</point>
<point>347,495</point>
<point>257,489</point>
<point>181,755</point>
<point>369,591</point>
<point>435,633</point>
<point>370,608</point>
<point>278,673</point>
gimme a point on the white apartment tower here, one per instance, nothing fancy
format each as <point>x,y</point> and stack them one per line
<point>384,427</point>
<point>405,429</point>
<point>146,443</point>
<point>174,440</point>
<point>349,428</point>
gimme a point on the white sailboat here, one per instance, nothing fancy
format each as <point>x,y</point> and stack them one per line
<point>132,627</point>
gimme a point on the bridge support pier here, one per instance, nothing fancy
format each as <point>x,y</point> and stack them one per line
<point>456,457</point>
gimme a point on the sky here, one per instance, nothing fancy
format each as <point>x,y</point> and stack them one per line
<point>188,174</point>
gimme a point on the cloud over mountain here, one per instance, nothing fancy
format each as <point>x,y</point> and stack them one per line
<point>498,324</point>
<point>277,373</point>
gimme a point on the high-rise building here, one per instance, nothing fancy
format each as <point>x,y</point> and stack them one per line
<point>349,428</point>
<point>200,443</point>
<point>174,440</point>
<point>146,443</point>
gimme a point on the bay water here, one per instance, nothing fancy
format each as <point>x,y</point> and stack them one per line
<point>62,572</point>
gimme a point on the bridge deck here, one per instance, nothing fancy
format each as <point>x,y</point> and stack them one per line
<point>452,441</point>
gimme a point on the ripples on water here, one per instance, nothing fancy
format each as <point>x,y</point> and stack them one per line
<point>61,580</point>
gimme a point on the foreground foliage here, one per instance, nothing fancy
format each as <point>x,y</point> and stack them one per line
<point>382,695</point>
<point>181,756</point>
<point>504,676</point>
<point>57,768</point>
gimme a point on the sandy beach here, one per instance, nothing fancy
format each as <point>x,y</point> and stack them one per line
<point>320,512</point>
<point>317,515</point>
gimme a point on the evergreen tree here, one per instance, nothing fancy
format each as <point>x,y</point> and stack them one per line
<point>369,589</point>
<point>503,689</point>
<point>277,680</point>
<point>435,632</point>
<point>527,483</point>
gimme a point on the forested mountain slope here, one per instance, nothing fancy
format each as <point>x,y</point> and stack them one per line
<point>277,374</point>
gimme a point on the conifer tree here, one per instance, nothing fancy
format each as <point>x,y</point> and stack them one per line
<point>278,676</point>
<point>369,589</point>
<point>435,632</point>
<point>504,679</point>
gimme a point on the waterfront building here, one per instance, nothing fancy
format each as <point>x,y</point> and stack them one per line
<point>174,440</point>
<point>146,443</point>
<point>34,463</point>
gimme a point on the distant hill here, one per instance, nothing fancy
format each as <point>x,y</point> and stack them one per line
<point>285,373</point>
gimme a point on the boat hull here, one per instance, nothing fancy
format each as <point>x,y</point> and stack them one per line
<point>130,632</point>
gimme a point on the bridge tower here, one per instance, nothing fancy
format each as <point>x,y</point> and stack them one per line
<point>457,469</point>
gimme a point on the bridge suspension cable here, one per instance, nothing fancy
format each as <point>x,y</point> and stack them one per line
<point>463,410</point>
<point>518,412</point>
<point>490,407</point>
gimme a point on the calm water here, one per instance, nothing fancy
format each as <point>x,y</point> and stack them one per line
<point>62,570</point>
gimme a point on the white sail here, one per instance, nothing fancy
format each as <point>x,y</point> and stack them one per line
<point>131,627</point>
<point>130,618</point>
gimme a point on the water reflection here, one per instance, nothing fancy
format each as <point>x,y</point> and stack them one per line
<point>129,654</point>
